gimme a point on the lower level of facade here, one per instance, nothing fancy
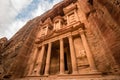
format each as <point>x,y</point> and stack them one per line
<point>72,77</point>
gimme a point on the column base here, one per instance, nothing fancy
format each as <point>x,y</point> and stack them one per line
<point>34,75</point>
<point>75,72</point>
<point>46,74</point>
<point>95,72</point>
<point>91,72</point>
<point>61,74</point>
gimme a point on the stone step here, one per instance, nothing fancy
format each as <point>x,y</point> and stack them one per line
<point>110,77</point>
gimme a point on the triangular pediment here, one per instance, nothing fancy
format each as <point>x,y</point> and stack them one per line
<point>48,21</point>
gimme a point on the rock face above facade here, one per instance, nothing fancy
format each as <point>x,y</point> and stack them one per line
<point>3,42</point>
<point>57,29</point>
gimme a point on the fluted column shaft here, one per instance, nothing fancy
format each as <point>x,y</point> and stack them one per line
<point>47,67</point>
<point>88,51</point>
<point>73,55</point>
<point>61,56</point>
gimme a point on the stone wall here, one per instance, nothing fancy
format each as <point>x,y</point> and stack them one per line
<point>111,18</point>
<point>18,48</point>
<point>103,32</point>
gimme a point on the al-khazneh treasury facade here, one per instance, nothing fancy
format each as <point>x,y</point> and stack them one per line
<point>76,39</point>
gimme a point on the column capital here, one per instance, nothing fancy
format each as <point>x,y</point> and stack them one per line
<point>81,31</point>
<point>70,36</point>
<point>61,39</point>
<point>42,44</point>
<point>49,43</point>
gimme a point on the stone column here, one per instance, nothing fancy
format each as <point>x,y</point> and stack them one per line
<point>67,19</point>
<point>47,67</point>
<point>88,51</point>
<point>61,56</point>
<point>54,26</point>
<point>73,56</point>
<point>76,15</point>
<point>40,59</point>
<point>46,30</point>
<point>32,60</point>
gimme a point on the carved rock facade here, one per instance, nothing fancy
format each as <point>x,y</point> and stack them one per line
<point>75,39</point>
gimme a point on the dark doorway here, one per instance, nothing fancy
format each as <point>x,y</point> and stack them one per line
<point>67,57</point>
<point>90,1</point>
<point>55,54</point>
<point>44,60</point>
<point>65,62</point>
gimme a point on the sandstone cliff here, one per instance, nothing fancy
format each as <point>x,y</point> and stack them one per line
<point>102,21</point>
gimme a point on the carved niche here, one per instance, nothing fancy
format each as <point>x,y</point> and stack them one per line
<point>58,22</point>
<point>45,28</point>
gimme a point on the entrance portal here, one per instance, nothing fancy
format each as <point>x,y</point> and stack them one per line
<point>67,57</point>
<point>55,58</point>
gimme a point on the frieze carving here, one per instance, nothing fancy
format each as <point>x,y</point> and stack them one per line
<point>82,54</point>
<point>82,59</point>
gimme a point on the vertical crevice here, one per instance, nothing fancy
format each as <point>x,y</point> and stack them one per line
<point>90,1</point>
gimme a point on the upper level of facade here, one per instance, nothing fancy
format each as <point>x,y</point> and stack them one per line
<point>66,19</point>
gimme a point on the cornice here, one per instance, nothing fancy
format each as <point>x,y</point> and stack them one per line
<point>58,18</point>
<point>69,8</point>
